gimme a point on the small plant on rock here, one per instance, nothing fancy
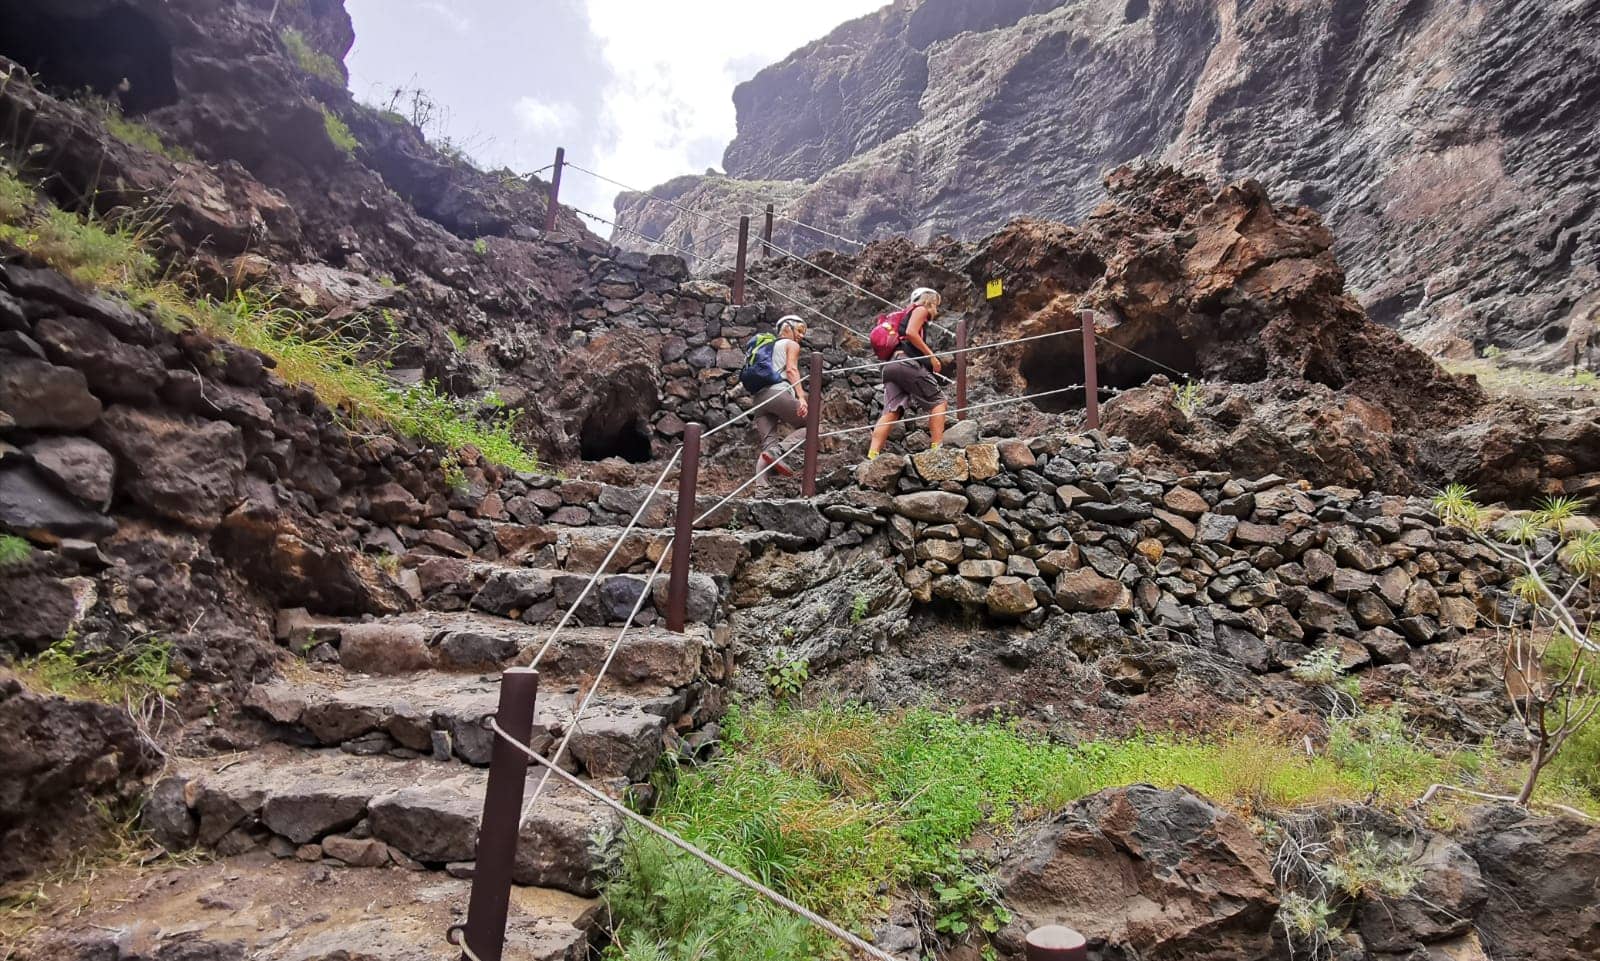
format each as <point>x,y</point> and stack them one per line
<point>480,247</point>
<point>1370,868</point>
<point>1551,654</point>
<point>310,59</point>
<point>1322,666</point>
<point>458,340</point>
<point>786,674</point>
<point>858,608</point>
<point>339,133</point>
<point>14,551</point>
<point>1187,397</point>
<point>1306,922</point>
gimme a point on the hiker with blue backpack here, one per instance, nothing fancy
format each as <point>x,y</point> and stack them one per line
<point>908,382</point>
<point>771,374</point>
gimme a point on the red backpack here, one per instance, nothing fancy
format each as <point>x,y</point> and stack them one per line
<point>887,331</point>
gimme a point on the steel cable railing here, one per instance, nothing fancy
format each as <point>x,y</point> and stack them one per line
<point>815,229</point>
<point>717,220</point>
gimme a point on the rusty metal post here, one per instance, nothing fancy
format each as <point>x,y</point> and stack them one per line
<point>683,535</point>
<point>738,265</point>
<point>766,234</point>
<point>1055,943</point>
<point>808,477</point>
<point>554,203</point>
<point>1091,371</point>
<point>961,368</point>
<point>485,929</point>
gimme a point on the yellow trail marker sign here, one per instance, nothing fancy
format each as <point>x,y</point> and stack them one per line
<point>995,289</point>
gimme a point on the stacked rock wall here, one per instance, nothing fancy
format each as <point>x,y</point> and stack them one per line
<point>1258,570</point>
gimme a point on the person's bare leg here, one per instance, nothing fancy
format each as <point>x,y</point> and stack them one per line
<point>880,433</point>
<point>936,422</point>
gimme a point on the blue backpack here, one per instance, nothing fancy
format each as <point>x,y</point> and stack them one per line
<point>758,372</point>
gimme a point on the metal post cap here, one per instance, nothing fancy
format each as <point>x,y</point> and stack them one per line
<point>1056,943</point>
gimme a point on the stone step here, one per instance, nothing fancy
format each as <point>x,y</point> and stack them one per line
<point>463,641</point>
<point>268,909</point>
<point>423,813</point>
<point>439,716</point>
<point>540,595</point>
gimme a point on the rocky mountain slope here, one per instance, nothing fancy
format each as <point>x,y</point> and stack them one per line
<point>1448,143</point>
<point>268,537</point>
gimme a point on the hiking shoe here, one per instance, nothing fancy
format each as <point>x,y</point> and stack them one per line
<point>767,460</point>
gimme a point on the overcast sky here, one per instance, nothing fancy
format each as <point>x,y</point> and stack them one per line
<point>640,90</point>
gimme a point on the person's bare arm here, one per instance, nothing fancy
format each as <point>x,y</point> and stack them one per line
<point>791,373</point>
<point>919,319</point>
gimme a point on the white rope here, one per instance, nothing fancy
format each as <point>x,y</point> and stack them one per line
<point>755,407</point>
<point>825,233</point>
<point>577,714</point>
<point>1170,369</point>
<point>709,861</point>
<point>958,410</point>
<point>951,353</point>
<point>717,220</point>
<point>595,577</point>
<point>456,934</point>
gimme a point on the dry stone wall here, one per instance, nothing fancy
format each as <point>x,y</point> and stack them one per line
<point>1260,570</point>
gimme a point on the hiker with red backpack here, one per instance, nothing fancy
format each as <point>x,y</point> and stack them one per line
<point>908,382</point>
<point>771,373</point>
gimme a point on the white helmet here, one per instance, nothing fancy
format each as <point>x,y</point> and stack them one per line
<point>923,295</point>
<point>791,322</point>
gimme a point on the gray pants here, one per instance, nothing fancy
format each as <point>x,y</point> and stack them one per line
<point>784,409</point>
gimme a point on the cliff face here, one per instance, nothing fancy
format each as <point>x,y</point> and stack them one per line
<point>1448,143</point>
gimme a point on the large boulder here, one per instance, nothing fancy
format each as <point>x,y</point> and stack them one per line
<point>36,394</point>
<point>30,505</point>
<point>1161,875</point>
<point>182,468</point>
<point>1544,877</point>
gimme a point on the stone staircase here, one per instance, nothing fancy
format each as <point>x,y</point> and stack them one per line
<point>376,757</point>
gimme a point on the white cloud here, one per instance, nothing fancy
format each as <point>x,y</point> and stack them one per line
<point>537,116</point>
<point>452,16</point>
<point>675,67</point>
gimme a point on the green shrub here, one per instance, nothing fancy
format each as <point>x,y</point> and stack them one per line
<point>14,551</point>
<point>93,254</point>
<point>130,677</point>
<point>309,59</point>
<point>1372,869</point>
<point>830,805</point>
<point>339,133</point>
<point>131,131</point>
<point>457,340</point>
<point>480,247</point>
<point>336,365</point>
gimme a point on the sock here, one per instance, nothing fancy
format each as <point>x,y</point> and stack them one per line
<point>934,445</point>
<point>872,455</point>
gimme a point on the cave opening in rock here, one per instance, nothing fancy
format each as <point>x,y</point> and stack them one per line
<point>606,435</point>
<point>108,49</point>
<point>1136,10</point>
<point>1057,362</point>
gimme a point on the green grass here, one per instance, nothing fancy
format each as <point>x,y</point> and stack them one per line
<point>309,59</point>
<point>458,340</point>
<point>338,364</point>
<point>14,551</point>
<point>836,806</point>
<point>339,132</point>
<point>131,131</point>
<point>129,677</point>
